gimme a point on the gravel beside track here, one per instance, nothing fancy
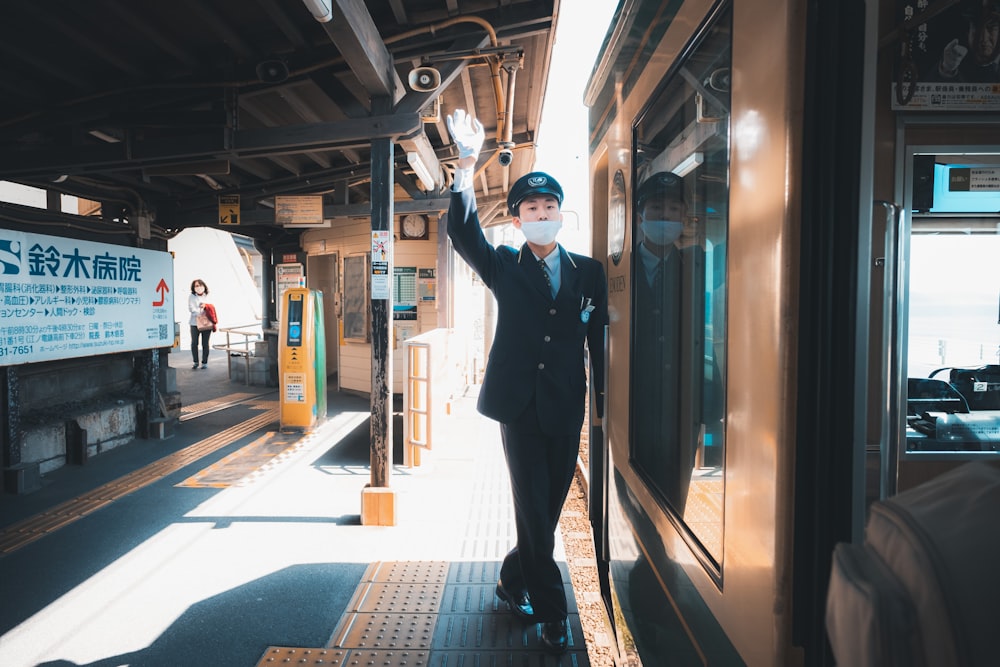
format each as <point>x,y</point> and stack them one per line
<point>579,545</point>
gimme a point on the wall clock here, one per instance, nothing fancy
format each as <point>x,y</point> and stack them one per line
<point>413,227</point>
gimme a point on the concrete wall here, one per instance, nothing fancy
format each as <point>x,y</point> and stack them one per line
<point>52,445</point>
<point>74,409</point>
<point>73,382</point>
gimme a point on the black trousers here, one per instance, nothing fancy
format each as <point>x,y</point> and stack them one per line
<point>204,336</point>
<point>541,470</point>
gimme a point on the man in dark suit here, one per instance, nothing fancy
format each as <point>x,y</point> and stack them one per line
<point>676,393</point>
<point>550,302</point>
<point>660,304</point>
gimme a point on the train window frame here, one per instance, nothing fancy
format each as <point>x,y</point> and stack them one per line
<point>701,160</point>
<point>947,306</point>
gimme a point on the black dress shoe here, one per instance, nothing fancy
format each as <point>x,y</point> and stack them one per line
<point>554,636</point>
<point>519,604</point>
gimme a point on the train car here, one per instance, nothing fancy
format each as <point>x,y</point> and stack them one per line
<point>803,315</point>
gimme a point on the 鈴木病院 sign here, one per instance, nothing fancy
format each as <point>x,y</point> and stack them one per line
<point>63,298</point>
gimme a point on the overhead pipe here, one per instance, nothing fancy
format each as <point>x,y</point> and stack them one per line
<point>506,140</point>
<point>492,61</point>
<point>503,112</point>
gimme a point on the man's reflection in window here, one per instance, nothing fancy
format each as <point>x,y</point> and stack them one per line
<point>668,358</point>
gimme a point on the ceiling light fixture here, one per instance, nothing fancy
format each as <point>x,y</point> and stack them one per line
<point>689,164</point>
<point>320,9</point>
<point>423,173</point>
<point>104,136</point>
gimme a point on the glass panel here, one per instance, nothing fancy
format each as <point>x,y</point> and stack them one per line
<point>681,199</point>
<point>953,336</point>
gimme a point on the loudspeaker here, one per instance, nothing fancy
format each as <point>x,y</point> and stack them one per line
<point>272,71</point>
<point>425,79</point>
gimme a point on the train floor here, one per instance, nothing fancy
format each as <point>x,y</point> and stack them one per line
<point>232,544</point>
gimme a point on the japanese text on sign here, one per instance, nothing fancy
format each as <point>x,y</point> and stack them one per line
<point>62,298</point>
<point>381,261</point>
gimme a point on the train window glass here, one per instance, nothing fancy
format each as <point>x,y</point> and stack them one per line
<point>681,201</point>
<point>953,331</point>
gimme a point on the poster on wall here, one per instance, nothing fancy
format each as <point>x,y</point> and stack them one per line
<point>63,298</point>
<point>381,260</point>
<point>287,276</point>
<point>974,179</point>
<point>952,56</point>
<point>404,293</point>
<point>427,284</point>
<point>403,331</point>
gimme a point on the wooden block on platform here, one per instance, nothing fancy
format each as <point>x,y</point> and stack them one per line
<point>378,506</point>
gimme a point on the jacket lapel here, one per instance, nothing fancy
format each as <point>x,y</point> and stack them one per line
<point>529,265</point>
<point>569,282</point>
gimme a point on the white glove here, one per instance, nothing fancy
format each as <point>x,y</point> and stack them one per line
<point>463,179</point>
<point>952,57</point>
<point>467,132</point>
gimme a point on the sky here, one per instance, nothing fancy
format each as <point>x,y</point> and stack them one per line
<point>561,146</point>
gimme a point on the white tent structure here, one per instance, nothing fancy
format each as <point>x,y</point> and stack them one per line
<point>214,257</point>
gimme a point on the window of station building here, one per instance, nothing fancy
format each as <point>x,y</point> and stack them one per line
<point>678,365</point>
<point>25,195</point>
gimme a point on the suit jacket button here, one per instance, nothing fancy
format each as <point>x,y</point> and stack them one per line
<point>547,339</point>
<point>541,367</point>
<point>552,311</point>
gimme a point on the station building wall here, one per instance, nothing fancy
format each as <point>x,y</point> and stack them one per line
<point>352,237</point>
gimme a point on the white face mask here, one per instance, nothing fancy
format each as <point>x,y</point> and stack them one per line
<point>661,232</point>
<point>542,232</point>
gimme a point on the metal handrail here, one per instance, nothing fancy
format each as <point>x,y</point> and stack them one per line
<point>242,348</point>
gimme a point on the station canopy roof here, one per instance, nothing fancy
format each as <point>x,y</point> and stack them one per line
<point>156,109</point>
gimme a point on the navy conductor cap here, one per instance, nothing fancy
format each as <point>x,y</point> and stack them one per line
<point>534,183</point>
<point>662,185</point>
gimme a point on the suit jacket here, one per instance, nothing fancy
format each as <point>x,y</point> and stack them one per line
<point>538,346</point>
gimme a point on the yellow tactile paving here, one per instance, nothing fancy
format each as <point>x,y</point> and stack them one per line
<point>188,411</point>
<point>285,655</point>
<point>24,532</point>
<point>242,465</point>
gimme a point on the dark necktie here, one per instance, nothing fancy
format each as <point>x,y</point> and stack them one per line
<point>545,272</point>
<point>658,276</point>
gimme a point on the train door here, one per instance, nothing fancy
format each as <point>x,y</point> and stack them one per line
<point>942,304</point>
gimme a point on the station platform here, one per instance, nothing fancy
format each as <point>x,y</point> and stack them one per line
<point>233,544</point>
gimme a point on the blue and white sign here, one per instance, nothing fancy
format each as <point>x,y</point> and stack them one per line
<point>62,298</point>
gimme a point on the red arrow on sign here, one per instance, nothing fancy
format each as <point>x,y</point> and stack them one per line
<point>162,289</point>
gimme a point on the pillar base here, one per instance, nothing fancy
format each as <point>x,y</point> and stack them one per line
<point>378,506</point>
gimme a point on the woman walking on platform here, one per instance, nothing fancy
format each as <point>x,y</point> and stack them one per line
<point>203,320</point>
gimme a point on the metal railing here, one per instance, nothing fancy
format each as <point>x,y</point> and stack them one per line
<point>243,347</point>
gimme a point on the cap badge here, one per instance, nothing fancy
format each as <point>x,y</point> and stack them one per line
<point>537,181</point>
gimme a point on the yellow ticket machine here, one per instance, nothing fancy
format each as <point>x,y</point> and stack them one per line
<point>302,360</point>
